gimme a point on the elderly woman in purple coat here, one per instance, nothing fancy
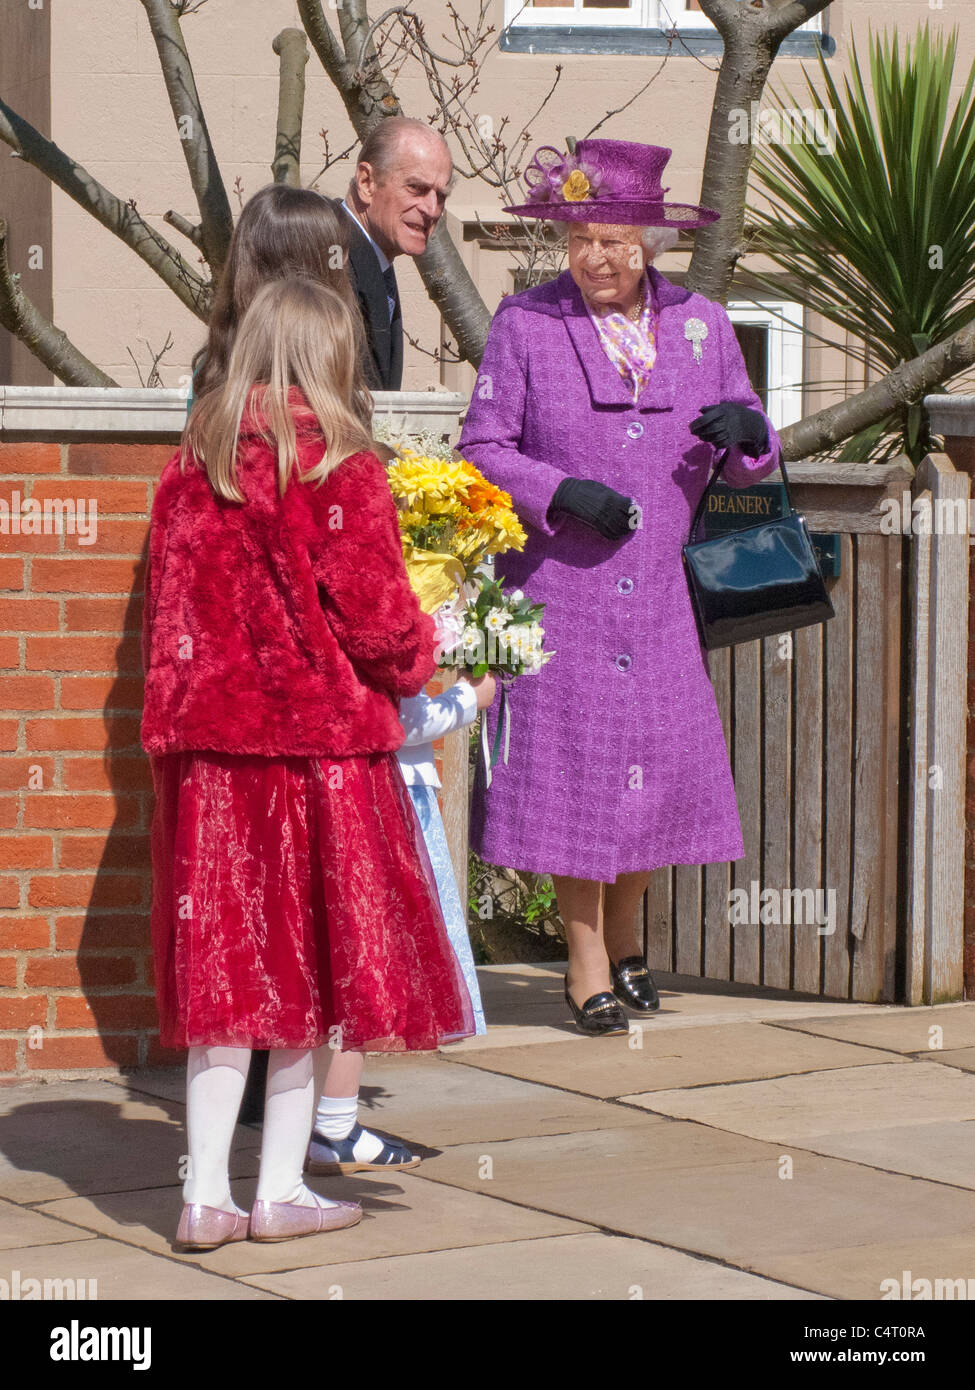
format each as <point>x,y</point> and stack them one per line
<point>601,402</point>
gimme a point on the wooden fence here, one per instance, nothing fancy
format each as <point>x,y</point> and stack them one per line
<point>847,746</point>
<point>847,743</point>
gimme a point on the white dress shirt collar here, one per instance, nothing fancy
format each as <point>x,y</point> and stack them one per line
<point>381,256</point>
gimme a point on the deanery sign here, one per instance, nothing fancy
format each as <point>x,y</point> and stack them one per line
<point>731,508</point>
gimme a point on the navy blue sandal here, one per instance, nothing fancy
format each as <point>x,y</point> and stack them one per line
<point>331,1156</point>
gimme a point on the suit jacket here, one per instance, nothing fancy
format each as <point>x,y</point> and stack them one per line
<point>297,611</point>
<point>384,367</point>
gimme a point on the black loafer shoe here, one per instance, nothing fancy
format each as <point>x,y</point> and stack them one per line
<point>599,1015</point>
<point>633,985</point>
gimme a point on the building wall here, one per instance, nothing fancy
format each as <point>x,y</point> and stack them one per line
<point>110,111</point>
<point>25,198</point>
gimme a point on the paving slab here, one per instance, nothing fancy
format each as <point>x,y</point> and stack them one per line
<point>686,1186</point>
<point>687,1057</point>
<point>168,1084</point>
<point>20,1226</point>
<point>789,1110</point>
<point>859,1271</point>
<point>14,1098</point>
<point>400,1216</point>
<point>91,1137</point>
<point>940,1152</point>
<point>898,1030</point>
<point>566,1267</point>
<point>963,1059</point>
<point>119,1272</point>
<point>433,1105</point>
<point>524,1004</point>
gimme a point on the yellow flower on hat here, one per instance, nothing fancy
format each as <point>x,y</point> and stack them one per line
<point>576,188</point>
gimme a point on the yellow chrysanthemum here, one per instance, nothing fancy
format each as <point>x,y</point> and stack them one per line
<point>448,510</point>
<point>425,483</point>
<point>576,187</point>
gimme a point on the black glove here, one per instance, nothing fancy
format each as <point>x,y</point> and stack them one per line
<point>729,423</point>
<point>603,508</point>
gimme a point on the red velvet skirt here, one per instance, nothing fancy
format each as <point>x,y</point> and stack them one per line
<point>294,904</point>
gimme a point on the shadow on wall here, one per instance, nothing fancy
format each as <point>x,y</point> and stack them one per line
<point>114,943</point>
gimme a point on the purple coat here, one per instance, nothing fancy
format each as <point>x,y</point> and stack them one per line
<point>617,759</point>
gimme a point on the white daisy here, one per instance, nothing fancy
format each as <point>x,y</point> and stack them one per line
<point>496,619</point>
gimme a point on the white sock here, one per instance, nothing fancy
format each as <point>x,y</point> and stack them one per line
<point>336,1116</point>
<point>335,1119</point>
<point>288,1114</point>
<point>215,1080</point>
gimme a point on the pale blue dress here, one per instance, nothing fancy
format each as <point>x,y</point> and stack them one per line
<point>425,718</point>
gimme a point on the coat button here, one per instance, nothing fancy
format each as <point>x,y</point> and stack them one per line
<point>623,662</point>
<point>634,429</point>
<point>624,586</point>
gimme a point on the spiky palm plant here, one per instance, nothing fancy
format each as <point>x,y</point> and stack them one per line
<point>878,233</point>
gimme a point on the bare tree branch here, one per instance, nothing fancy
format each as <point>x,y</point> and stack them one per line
<point>905,385</point>
<point>154,377</point>
<point>26,322</point>
<point>216,220</point>
<point>291,46</point>
<point>183,224</point>
<point>752,35</point>
<point>365,101</point>
<point>331,158</point>
<point>122,219</point>
<point>784,16</point>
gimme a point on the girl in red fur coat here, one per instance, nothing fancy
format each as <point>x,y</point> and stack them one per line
<point>295,231</point>
<point>291,906</point>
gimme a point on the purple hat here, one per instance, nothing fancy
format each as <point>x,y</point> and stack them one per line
<point>609,181</point>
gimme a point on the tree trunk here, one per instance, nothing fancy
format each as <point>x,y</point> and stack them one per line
<point>26,322</point>
<point>291,46</point>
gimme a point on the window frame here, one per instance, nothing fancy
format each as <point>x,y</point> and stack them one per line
<point>785,321</point>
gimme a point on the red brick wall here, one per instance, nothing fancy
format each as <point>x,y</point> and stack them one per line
<point>75,801</point>
<point>76,989</point>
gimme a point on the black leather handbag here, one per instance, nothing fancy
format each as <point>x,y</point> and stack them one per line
<point>756,582</point>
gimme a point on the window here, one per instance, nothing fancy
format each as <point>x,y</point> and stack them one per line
<point>770,335</point>
<point>580,13</point>
<point>628,26</point>
<point>644,14</point>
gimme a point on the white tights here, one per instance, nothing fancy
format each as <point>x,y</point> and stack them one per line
<point>215,1079</point>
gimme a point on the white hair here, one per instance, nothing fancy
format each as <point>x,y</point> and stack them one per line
<point>654,240</point>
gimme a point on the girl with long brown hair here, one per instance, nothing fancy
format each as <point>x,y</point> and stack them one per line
<point>284,230</point>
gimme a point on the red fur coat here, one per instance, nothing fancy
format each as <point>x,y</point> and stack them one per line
<point>279,625</point>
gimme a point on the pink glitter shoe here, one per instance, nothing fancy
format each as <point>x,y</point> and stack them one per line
<point>204,1228</point>
<point>285,1220</point>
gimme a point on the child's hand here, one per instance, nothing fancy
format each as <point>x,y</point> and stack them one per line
<point>484,687</point>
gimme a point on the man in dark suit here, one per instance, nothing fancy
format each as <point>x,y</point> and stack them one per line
<point>395,200</point>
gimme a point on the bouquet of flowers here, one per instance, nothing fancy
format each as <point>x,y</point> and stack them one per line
<point>452,520</point>
<point>502,632</point>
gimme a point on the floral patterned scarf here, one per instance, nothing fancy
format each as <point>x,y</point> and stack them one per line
<point>630,346</point>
